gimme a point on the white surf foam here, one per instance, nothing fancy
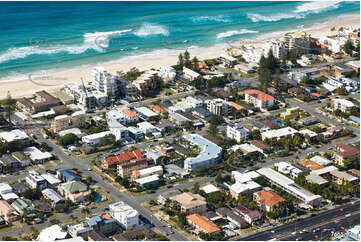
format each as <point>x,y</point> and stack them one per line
<point>96,41</point>
<point>235,32</point>
<point>219,18</point>
<point>317,6</point>
<point>148,29</point>
<point>300,12</point>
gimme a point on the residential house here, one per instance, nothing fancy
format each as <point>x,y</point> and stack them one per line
<point>219,106</point>
<point>74,190</point>
<point>6,192</point>
<point>36,181</point>
<point>9,164</point>
<point>8,212</point>
<point>67,175</point>
<point>189,74</point>
<point>251,216</point>
<point>63,122</point>
<point>21,205</point>
<point>344,151</point>
<point>202,224</point>
<point>22,158</point>
<point>237,132</point>
<point>341,177</point>
<point>258,98</point>
<point>268,201</point>
<point>53,196</point>
<point>112,161</point>
<point>190,203</point>
<point>43,101</point>
<point>125,169</point>
<point>342,104</point>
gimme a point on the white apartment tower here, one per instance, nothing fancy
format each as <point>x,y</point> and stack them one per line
<point>104,82</point>
<point>127,216</point>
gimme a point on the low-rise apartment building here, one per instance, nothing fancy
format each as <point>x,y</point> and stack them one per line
<point>190,203</point>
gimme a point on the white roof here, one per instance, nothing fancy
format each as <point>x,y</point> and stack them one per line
<point>75,131</point>
<point>6,192</point>
<point>52,195</point>
<point>190,72</point>
<point>9,195</point>
<point>324,170</point>
<point>288,184</point>
<point>147,179</point>
<point>343,102</point>
<point>36,154</point>
<point>308,132</point>
<point>145,111</point>
<point>4,187</point>
<point>75,239</point>
<point>150,170</point>
<point>353,63</point>
<point>321,160</point>
<point>61,117</point>
<point>316,179</point>
<point>248,148</point>
<point>243,187</point>
<point>43,114</point>
<point>12,135</point>
<point>123,208</point>
<point>275,133</point>
<point>97,135</point>
<point>209,149</point>
<point>344,175</point>
<point>244,177</point>
<point>51,179</point>
<point>228,57</point>
<point>209,188</point>
<point>52,233</point>
<point>21,115</point>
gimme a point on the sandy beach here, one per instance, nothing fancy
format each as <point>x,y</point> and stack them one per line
<point>48,81</point>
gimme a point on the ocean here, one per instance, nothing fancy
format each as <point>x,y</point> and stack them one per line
<point>39,36</point>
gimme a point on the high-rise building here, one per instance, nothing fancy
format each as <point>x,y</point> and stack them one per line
<point>104,82</point>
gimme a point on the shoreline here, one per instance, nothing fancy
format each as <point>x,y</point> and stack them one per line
<point>56,78</point>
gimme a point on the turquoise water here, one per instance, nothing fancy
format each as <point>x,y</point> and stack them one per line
<point>54,35</point>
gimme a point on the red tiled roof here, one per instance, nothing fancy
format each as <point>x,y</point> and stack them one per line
<point>259,94</point>
<point>157,108</point>
<point>268,198</point>
<point>112,160</point>
<point>203,223</point>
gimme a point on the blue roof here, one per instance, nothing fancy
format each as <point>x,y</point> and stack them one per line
<point>209,150</point>
<point>68,174</point>
<point>355,119</point>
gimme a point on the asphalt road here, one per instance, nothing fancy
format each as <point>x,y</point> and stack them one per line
<point>82,165</point>
<point>310,223</point>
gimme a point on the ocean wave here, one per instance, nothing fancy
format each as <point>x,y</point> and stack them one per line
<point>272,18</point>
<point>101,39</point>
<point>316,6</point>
<point>235,32</point>
<point>220,18</point>
<point>97,41</point>
<point>300,12</point>
<point>148,29</point>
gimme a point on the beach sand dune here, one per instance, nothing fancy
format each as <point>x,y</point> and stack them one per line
<point>29,86</point>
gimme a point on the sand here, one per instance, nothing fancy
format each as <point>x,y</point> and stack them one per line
<point>29,86</point>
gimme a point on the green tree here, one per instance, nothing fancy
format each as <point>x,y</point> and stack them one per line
<point>181,60</point>
<point>107,140</point>
<point>68,139</point>
<point>293,56</point>
<point>9,105</point>
<point>32,194</point>
<point>187,59</point>
<point>348,47</point>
